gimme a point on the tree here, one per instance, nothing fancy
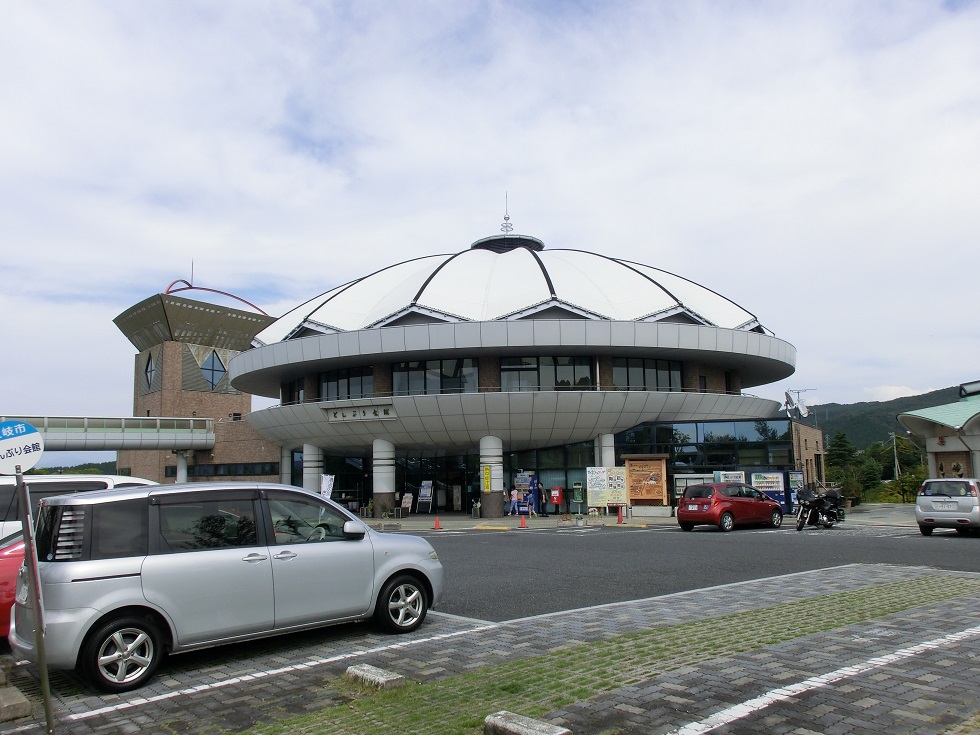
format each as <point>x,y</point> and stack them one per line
<point>841,451</point>
<point>871,471</point>
<point>909,483</point>
<point>850,478</point>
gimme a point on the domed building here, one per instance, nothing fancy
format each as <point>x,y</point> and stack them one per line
<point>467,369</point>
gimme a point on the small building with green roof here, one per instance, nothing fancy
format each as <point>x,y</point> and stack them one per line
<point>951,432</point>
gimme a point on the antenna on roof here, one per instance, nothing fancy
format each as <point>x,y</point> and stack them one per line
<point>796,406</point>
<point>506,227</point>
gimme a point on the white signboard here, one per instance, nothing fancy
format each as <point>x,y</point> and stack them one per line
<point>606,486</point>
<point>21,445</point>
<point>729,476</point>
<point>326,485</point>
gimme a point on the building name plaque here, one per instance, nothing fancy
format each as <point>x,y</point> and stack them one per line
<point>361,413</point>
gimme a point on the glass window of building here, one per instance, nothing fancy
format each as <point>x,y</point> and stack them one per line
<point>213,369</point>
<point>149,372</point>
<point>637,373</point>
<point>546,373</point>
<point>348,383</point>
<point>292,392</point>
<point>422,377</point>
<point>518,374</point>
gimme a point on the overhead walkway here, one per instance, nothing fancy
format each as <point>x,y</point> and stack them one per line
<point>97,433</point>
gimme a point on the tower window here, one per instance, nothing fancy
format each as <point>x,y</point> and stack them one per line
<point>213,369</point>
<point>149,371</point>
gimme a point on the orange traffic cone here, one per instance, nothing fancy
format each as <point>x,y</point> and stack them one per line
<point>523,522</point>
<point>437,527</point>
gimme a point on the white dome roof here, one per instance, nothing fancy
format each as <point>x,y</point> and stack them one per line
<point>509,277</point>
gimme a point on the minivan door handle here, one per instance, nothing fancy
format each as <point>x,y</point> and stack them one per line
<point>255,557</point>
<point>287,555</point>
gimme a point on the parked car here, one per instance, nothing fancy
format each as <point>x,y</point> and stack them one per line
<point>948,502</point>
<point>12,543</point>
<point>42,486</point>
<point>726,505</point>
<point>11,557</point>
<point>128,576</point>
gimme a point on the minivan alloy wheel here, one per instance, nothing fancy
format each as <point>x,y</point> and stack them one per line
<point>402,605</point>
<point>122,654</point>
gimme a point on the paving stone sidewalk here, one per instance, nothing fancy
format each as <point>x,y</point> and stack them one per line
<point>231,688</point>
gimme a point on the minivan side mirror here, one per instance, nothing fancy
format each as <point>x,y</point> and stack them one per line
<point>354,529</point>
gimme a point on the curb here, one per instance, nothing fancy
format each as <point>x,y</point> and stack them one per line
<point>508,723</point>
<point>13,704</point>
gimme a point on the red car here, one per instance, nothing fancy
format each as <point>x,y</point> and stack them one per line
<point>726,505</point>
<point>11,557</point>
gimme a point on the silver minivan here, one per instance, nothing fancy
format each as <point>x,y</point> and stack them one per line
<point>128,576</point>
<point>948,502</point>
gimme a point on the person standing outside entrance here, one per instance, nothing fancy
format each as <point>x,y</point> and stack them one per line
<point>513,501</point>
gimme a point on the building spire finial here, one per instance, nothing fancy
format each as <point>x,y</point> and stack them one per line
<point>506,227</point>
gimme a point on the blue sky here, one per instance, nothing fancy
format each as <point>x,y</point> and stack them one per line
<point>817,163</point>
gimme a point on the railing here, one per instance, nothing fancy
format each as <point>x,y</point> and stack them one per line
<point>100,433</point>
<point>523,389</point>
<point>121,424</point>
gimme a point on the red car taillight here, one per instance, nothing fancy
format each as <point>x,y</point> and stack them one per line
<point>972,491</point>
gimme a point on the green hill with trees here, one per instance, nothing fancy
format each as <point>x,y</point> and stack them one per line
<point>874,421</point>
<point>861,452</point>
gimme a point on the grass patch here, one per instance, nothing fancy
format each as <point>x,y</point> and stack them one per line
<point>536,685</point>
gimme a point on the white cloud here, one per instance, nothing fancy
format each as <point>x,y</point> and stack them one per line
<point>816,163</point>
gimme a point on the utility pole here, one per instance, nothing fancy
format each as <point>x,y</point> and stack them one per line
<point>898,469</point>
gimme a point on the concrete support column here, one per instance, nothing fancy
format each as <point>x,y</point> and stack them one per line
<point>491,477</point>
<point>181,465</point>
<point>383,463</point>
<point>605,450</point>
<point>286,466</point>
<point>312,467</point>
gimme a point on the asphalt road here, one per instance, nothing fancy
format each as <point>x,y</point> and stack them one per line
<point>499,576</point>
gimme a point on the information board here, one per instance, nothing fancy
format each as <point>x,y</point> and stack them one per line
<point>647,480</point>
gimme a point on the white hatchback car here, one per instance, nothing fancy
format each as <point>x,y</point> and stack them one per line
<point>948,502</point>
<point>130,575</point>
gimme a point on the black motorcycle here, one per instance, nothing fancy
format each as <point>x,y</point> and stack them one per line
<point>824,510</point>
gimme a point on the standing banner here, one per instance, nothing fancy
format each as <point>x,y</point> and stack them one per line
<point>326,485</point>
<point>796,484</point>
<point>425,496</point>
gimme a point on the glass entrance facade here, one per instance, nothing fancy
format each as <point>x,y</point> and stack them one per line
<point>695,448</point>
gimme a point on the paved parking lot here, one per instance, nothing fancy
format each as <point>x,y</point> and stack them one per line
<point>747,657</point>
